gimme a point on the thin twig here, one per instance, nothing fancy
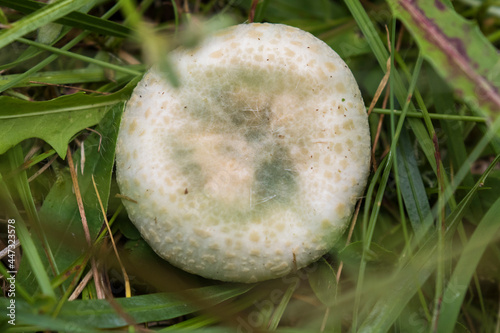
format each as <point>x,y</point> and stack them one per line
<point>124,272</point>
<point>36,147</point>
<point>400,38</point>
<point>325,319</point>
<point>81,209</point>
<point>197,6</point>
<point>121,196</point>
<point>384,80</point>
<point>379,130</point>
<point>381,86</point>
<point>251,14</point>
<point>78,290</point>
<point>82,156</point>
<point>42,169</point>
<point>100,137</point>
<point>4,252</point>
<point>70,87</point>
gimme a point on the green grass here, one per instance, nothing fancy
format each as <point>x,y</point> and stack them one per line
<point>424,255</point>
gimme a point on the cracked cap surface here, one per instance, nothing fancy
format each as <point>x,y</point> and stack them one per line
<point>252,167</point>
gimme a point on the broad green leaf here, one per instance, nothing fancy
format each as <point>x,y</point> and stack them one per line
<point>74,19</point>
<point>37,19</point>
<point>352,254</point>
<point>55,121</point>
<point>59,214</point>
<point>128,229</point>
<point>323,282</point>
<point>457,50</point>
<point>38,323</point>
<point>145,308</point>
<point>412,186</point>
<point>143,265</point>
<point>99,160</point>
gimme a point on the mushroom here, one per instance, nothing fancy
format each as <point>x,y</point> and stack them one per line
<point>252,167</point>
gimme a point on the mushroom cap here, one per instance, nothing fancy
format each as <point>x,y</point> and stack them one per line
<point>252,167</point>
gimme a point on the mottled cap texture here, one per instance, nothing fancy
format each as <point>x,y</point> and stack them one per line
<point>251,168</point>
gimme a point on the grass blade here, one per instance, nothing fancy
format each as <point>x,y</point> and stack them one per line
<point>73,19</point>
<point>412,186</point>
<point>280,309</point>
<point>53,57</point>
<point>29,249</point>
<point>37,19</point>
<point>381,54</point>
<point>11,211</point>
<point>90,60</point>
<point>455,292</point>
<point>416,271</point>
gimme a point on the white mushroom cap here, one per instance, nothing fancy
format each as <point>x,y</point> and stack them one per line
<point>252,167</point>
